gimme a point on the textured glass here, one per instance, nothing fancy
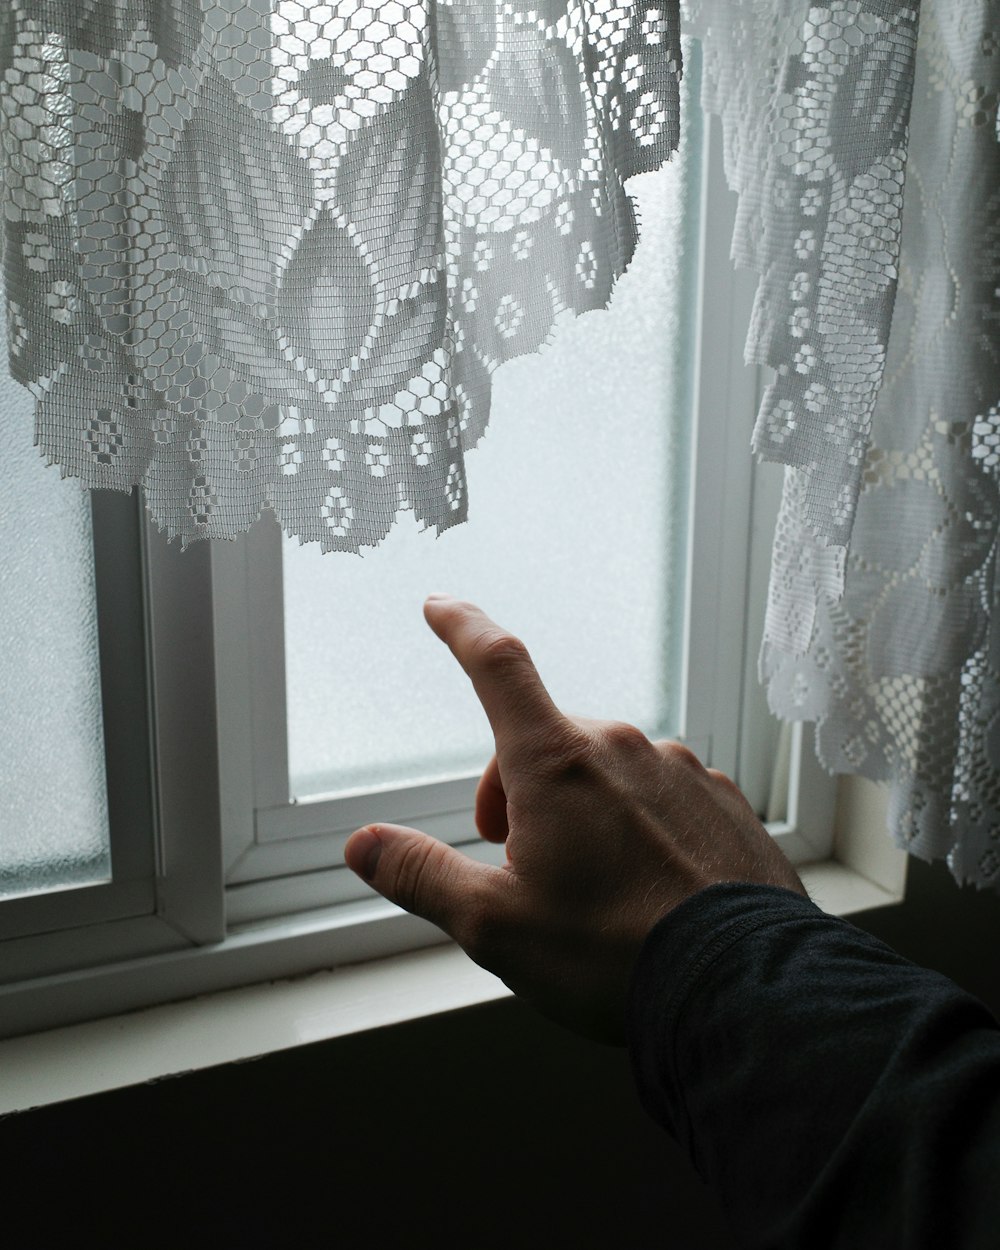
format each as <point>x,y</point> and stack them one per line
<point>53,812</point>
<point>272,251</point>
<point>575,541</point>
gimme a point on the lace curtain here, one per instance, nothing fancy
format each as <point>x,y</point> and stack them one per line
<point>269,252</point>
<point>882,323</point>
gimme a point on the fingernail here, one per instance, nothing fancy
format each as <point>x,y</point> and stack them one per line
<point>369,848</point>
<point>437,594</point>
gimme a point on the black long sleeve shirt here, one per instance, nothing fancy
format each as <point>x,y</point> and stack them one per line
<point>832,1093</point>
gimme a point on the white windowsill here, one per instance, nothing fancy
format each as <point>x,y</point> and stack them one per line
<point>256,1020</point>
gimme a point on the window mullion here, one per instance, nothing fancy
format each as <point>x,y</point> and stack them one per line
<point>723,408</point>
<point>125,690</point>
<point>189,884</point>
<point>250,692</point>
<point>266,608</point>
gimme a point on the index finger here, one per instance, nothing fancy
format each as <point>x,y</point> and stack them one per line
<point>505,679</point>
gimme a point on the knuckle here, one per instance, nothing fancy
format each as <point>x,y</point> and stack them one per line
<point>412,872</point>
<point>717,775</point>
<point>498,650</point>
<point>678,753</point>
<point>625,736</point>
<point>567,755</point>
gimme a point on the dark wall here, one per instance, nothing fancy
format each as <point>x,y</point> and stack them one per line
<point>485,1128</point>
<point>953,929</point>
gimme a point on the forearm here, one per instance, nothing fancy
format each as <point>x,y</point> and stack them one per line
<point>832,1093</point>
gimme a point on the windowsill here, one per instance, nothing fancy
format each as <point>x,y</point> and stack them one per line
<point>237,1024</point>
<point>256,1020</point>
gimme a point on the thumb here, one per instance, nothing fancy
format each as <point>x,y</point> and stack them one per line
<point>421,874</point>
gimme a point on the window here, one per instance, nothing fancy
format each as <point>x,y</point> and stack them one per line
<point>258,702</point>
<point>48,621</point>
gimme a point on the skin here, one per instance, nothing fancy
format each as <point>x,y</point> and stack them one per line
<point>606,833</point>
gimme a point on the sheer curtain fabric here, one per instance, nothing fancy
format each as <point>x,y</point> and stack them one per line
<point>269,253</point>
<point>862,137</point>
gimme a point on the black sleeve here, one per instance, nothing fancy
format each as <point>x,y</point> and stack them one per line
<point>832,1093</point>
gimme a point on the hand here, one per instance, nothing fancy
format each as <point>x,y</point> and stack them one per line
<point>606,833</point>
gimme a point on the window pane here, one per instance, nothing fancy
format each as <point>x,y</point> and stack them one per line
<point>54,814</point>
<point>576,541</point>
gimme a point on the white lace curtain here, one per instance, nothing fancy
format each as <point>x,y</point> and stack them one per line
<point>880,313</point>
<point>269,252</point>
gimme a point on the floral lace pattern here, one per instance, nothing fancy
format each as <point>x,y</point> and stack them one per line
<point>814,101</point>
<point>269,252</point>
<point>881,616</point>
<point>905,678</point>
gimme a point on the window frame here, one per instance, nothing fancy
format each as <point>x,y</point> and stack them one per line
<point>154,818</point>
<point>124,706</point>
<point>218,806</point>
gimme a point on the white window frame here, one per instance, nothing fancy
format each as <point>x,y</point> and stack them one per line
<point>147,607</point>
<point>229,899</point>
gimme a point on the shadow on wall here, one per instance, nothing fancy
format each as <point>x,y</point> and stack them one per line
<point>952,929</point>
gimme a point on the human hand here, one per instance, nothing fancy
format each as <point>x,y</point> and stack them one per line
<point>606,833</point>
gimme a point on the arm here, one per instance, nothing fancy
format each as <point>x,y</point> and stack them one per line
<point>832,1093</point>
<point>821,1083</point>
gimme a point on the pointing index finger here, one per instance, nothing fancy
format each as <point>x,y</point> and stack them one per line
<point>501,671</point>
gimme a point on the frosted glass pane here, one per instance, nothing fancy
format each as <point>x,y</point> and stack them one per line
<point>576,538</point>
<point>54,814</point>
